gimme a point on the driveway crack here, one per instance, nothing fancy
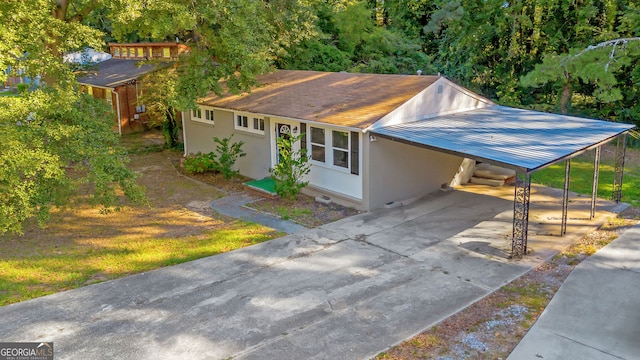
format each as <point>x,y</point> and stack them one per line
<point>362,238</point>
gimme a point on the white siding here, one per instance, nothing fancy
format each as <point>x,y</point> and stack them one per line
<point>442,97</point>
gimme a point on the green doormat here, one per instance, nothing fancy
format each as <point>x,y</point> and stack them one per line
<point>266,185</point>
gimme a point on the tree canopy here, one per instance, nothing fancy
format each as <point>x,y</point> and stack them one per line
<point>573,56</point>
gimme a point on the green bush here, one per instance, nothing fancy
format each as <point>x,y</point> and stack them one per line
<point>291,168</point>
<point>220,161</point>
<point>22,88</point>
<point>200,163</point>
<point>228,153</point>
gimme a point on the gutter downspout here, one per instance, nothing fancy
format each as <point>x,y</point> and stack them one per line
<point>118,110</point>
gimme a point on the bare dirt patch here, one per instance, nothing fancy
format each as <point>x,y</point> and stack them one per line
<point>304,210</point>
<point>492,327</point>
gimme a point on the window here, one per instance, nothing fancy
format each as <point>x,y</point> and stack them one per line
<point>202,114</point>
<point>340,148</point>
<point>343,152</point>
<point>258,124</point>
<point>317,144</point>
<point>140,52</point>
<point>132,52</point>
<point>242,121</point>
<point>208,114</point>
<point>150,53</point>
<point>251,123</point>
<point>89,90</point>
<point>166,52</point>
<point>116,52</point>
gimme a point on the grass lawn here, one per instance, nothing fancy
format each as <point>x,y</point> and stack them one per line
<point>582,175</point>
<point>82,246</point>
<point>7,93</point>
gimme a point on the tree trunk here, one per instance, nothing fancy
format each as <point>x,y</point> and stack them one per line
<point>565,97</point>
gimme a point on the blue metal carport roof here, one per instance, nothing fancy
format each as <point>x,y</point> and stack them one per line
<point>523,140</point>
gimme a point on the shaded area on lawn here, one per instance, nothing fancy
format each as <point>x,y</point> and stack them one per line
<point>81,245</point>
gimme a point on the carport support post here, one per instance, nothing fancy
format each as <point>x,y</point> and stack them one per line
<point>594,189</point>
<point>520,214</point>
<point>565,197</point>
<point>619,168</point>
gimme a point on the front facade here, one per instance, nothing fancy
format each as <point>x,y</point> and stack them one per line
<point>335,111</point>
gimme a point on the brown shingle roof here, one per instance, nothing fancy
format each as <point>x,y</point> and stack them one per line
<point>116,72</point>
<point>345,99</point>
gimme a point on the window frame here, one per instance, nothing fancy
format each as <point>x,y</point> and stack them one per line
<point>352,156</point>
<point>322,145</point>
<point>248,122</point>
<point>204,114</point>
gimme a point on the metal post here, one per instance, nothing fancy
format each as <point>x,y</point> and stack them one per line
<point>565,197</point>
<point>619,168</point>
<point>594,189</point>
<point>520,214</point>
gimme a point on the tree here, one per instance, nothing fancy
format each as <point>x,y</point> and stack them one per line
<point>351,37</point>
<point>596,64</point>
<point>52,142</point>
<point>231,41</point>
<point>161,100</point>
<point>53,139</point>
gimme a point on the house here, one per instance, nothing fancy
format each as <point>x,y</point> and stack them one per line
<point>381,140</point>
<point>376,140</point>
<point>118,80</point>
<point>335,111</point>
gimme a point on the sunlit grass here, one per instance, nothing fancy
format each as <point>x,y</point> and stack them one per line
<point>76,264</point>
<point>582,179</point>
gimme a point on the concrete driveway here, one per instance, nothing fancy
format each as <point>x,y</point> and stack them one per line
<point>347,290</point>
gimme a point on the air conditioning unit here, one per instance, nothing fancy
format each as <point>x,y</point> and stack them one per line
<point>140,109</point>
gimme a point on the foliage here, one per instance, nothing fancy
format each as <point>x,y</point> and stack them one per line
<point>22,88</point>
<point>292,166</point>
<point>348,39</point>
<point>200,163</point>
<point>35,34</point>
<point>228,154</point>
<point>159,96</point>
<point>222,160</point>
<point>232,42</point>
<point>53,141</point>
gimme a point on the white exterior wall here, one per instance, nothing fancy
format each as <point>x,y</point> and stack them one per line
<point>442,97</point>
<point>398,172</point>
<point>324,176</point>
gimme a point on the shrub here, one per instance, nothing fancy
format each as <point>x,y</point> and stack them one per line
<point>291,168</point>
<point>228,153</point>
<point>200,163</point>
<point>220,161</point>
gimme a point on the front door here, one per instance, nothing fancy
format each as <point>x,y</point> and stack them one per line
<point>282,130</point>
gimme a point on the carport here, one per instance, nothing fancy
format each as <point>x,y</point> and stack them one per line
<point>522,140</point>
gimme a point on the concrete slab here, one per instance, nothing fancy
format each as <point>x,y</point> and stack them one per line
<point>595,314</point>
<point>344,290</point>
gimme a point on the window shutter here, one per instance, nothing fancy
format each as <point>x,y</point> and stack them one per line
<point>303,141</point>
<point>355,159</point>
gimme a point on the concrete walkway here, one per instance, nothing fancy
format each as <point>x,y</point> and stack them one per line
<point>596,313</point>
<point>234,206</point>
<point>346,290</point>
